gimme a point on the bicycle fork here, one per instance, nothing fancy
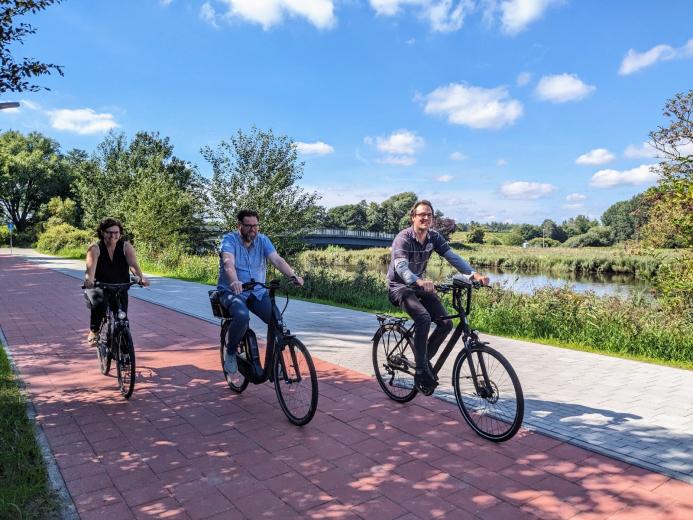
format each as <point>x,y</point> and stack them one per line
<point>485,390</point>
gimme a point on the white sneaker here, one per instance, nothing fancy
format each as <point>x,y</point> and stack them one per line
<point>230,364</point>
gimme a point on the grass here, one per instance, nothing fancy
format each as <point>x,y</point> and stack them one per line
<point>24,490</point>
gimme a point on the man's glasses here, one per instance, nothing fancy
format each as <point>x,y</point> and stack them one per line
<point>423,215</point>
<point>250,226</point>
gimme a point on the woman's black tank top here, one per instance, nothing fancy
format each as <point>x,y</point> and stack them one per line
<point>112,271</point>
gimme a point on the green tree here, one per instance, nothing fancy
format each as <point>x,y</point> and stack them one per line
<point>578,225</point>
<point>17,76</point>
<point>671,215</point>
<point>395,209</point>
<point>349,216</point>
<point>32,170</point>
<point>553,231</point>
<point>260,171</point>
<point>626,217</point>
<point>476,235</point>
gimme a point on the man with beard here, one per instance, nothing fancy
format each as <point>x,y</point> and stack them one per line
<point>243,256</point>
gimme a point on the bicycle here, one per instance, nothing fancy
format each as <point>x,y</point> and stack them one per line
<point>287,364</point>
<point>114,340</point>
<point>487,389</point>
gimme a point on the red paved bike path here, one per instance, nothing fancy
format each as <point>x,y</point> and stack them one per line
<point>186,447</point>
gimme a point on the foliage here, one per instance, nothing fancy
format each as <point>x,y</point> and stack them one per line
<point>671,215</point>
<point>160,198</point>
<point>61,236</point>
<point>17,76</point>
<point>598,236</point>
<point>390,216</point>
<point>59,211</point>
<point>258,170</point>
<point>550,229</point>
<point>476,235</point>
<point>578,225</point>
<point>24,491</point>
<point>625,218</point>
<point>445,226</point>
<point>543,242</point>
<point>514,238</point>
<point>674,282</point>
<point>32,170</point>
<point>348,216</point>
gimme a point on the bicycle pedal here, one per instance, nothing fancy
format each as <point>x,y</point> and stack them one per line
<point>426,390</point>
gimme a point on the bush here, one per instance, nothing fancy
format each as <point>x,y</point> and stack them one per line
<point>5,236</point>
<point>544,242</point>
<point>494,241</point>
<point>598,236</point>
<point>64,236</point>
<point>476,236</point>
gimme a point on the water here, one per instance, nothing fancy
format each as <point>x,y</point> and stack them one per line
<point>525,282</point>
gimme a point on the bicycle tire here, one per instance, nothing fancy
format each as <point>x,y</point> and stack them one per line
<point>125,362</point>
<point>289,375</point>
<point>396,381</point>
<point>489,419</point>
<point>237,381</point>
<point>103,350</point>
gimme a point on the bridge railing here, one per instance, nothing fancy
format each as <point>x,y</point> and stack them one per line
<point>356,233</point>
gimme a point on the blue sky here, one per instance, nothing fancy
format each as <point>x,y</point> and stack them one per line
<point>507,110</point>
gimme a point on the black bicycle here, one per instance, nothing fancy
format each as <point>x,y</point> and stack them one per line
<point>287,363</point>
<point>114,340</point>
<point>487,389</point>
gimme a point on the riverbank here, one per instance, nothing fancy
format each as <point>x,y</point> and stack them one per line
<point>633,327</point>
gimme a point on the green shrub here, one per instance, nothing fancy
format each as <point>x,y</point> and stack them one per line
<point>64,236</point>
<point>5,236</point>
<point>544,242</point>
<point>598,236</point>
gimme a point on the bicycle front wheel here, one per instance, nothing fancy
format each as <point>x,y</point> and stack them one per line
<point>488,393</point>
<point>125,362</point>
<point>393,363</point>
<point>236,381</point>
<point>295,381</point>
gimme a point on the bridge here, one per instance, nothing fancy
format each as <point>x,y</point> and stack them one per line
<point>348,238</point>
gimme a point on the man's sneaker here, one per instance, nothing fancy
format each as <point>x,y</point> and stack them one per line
<point>425,380</point>
<point>230,365</point>
<point>93,337</point>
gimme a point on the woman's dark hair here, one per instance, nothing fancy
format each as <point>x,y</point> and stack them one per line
<point>246,213</point>
<point>105,224</point>
<point>422,202</point>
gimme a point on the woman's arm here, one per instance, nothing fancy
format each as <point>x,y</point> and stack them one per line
<point>92,259</point>
<point>131,258</point>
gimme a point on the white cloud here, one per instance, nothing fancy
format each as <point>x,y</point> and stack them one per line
<point>526,190</point>
<point>501,162</point>
<point>644,151</point>
<point>523,78</point>
<point>563,87</point>
<point>442,15</point>
<point>476,107</point>
<point>400,147</point>
<point>516,15</point>
<point>81,121</point>
<point>268,13</point>
<point>458,156</point>
<point>595,157</point>
<point>316,148</point>
<point>165,3</point>
<point>444,178</point>
<point>208,14</point>
<point>576,205</point>
<point>643,174</point>
<point>634,61</point>
<point>575,197</point>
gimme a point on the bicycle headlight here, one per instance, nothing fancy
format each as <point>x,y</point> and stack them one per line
<point>122,315</point>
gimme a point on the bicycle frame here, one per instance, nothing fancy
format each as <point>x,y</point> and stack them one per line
<point>277,334</point>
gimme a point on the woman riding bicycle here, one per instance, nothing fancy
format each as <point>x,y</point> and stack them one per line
<point>110,260</point>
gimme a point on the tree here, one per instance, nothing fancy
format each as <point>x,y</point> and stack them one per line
<point>578,225</point>
<point>159,197</point>
<point>395,209</point>
<point>445,226</point>
<point>32,170</point>
<point>476,235</point>
<point>626,217</point>
<point>258,170</point>
<point>18,76</point>
<point>671,215</point>
<point>349,216</point>
<point>551,230</point>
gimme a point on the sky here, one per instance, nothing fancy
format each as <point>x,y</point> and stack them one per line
<point>495,110</point>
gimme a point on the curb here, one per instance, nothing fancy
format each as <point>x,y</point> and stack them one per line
<point>68,511</point>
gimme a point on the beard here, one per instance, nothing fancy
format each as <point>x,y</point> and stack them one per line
<point>248,236</point>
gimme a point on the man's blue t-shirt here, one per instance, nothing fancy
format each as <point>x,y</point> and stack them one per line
<point>251,262</point>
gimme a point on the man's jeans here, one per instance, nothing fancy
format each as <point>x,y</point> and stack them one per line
<point>424,308</point>
<point>238,309</point>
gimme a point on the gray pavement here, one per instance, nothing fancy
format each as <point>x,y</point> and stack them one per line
<point>636,412</point>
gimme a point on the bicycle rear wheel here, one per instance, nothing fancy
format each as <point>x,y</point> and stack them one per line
<point>236,381</point>
<point>103,350</point>
<point>393,358</point>
<point>491,400</point>
<point>295,381</point>
<point>125,362</point>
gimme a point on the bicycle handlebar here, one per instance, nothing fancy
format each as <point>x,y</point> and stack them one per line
<point>104,285</point>
<point>273,284</point>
